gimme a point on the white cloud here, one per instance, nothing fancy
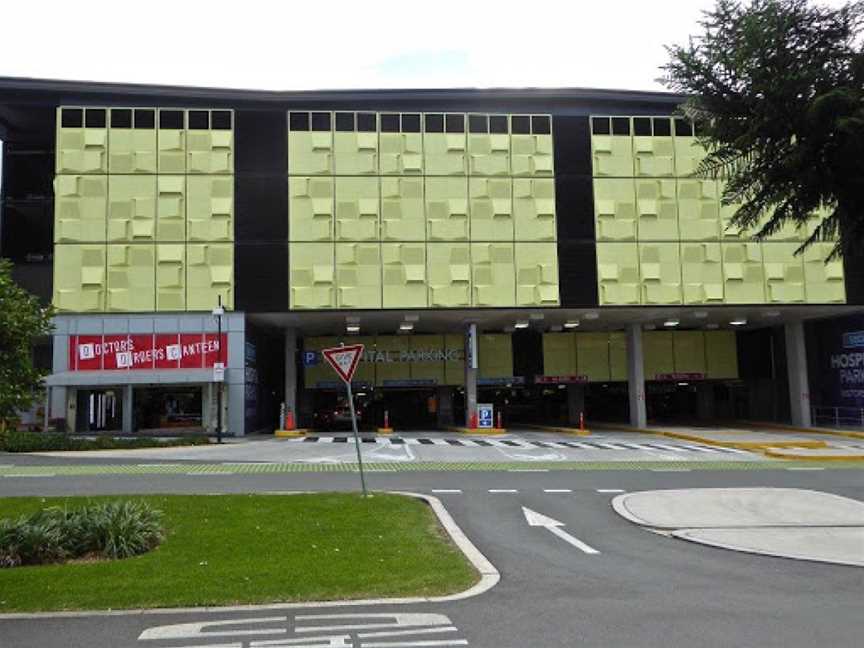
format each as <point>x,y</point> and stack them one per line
<point>346,43</point>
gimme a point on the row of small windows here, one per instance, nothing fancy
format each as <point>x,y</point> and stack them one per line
<point>145,118</point>
<point>367,122</point>
<point>643,126</point>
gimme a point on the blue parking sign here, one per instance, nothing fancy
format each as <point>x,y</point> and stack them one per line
<point>484,416</point>
<point>310,358</point>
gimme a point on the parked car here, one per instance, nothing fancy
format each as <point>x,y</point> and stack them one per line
<point>336,418</point>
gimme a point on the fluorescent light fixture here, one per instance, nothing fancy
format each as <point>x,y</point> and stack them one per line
<point>353,328</point>
<point>412,318</point>
<point>555,329</point>
<point>536,316</point>
<point>683,384</point>
<point>771,313</point>
<point>669,323</point>
<point>738,321</point>
<point>521,324</point>
<point>406,326</point>
<point>592,316</point>
<point>700,314</point>
<point>571,323</point>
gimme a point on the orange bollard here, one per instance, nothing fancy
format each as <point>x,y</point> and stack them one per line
<point>473,422</point>
<point>289,420</point>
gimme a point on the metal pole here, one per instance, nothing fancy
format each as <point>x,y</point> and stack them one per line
<point>356,436</point>
<point>219,385</point>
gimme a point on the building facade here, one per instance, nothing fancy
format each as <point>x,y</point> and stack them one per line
<point>560,234</point>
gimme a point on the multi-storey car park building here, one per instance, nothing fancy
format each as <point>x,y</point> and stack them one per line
<point>564,225</point>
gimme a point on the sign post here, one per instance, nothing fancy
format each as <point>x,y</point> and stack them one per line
<point>344,360</point>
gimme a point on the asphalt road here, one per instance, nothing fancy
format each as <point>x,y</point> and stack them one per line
<point>641,589</point>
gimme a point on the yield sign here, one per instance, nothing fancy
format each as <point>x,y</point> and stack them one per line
<point>344,359</point>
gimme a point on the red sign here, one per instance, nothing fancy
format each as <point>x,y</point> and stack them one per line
<point>679,377</point>
<point>344,359</point>
<point>559,380</point>
<point>148,351</point>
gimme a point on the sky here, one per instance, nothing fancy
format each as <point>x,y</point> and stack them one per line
<point>334,44</point>
<point>288,45</point>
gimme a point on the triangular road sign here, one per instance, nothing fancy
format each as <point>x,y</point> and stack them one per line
<point>344,359</point>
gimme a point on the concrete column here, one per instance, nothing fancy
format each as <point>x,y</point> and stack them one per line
<point>472,362</point>
<point>636,376</point>
<point>445,406</point>
<point>705,409</point>
<point>291,371</point>
<point>799,387</point>
<point>128,404</point>
<point>575,402</point>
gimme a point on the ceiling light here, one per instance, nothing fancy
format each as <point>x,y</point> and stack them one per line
<point>712,326</point>
<point>671,322</point>
<point>406,326</point>
<point>521,324</point>
<point>738,321</point>
<point>771,313</point>
<point>536,316</point>
<point>352,320</point>
<point>352,328</point>
<point>571,323</point>
<point>592,316</point>
<point>412,318</point>
<point>700,314</point>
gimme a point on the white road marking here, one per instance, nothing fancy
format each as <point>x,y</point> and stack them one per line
<point>197,630</point>
<point>452,491</point>
<point>402,633</point>
<point>806,468</point>
<point>27,475</point>
<point>209,474</point>
<point>538,519</point>
<point>610,490</point>
<point>557,490</point>
<point>392,620</point>
<point>670,470</point>
<point>414,644</point>
<point>503,490</point>
<point>528,470</point>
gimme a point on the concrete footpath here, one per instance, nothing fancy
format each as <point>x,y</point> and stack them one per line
<point>784,522</point>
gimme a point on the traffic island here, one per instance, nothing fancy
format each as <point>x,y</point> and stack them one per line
<point>253,549</point>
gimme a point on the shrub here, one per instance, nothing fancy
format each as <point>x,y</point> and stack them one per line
<point>120,529</point>
<point>20,441</point>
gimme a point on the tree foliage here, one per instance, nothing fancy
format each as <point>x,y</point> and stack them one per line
<point>776,90</point>
<point>22,321</point>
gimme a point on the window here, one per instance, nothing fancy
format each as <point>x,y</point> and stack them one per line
<point>390,123</point>
<point>366,122</point>
<point>121,118</point>
<point>172,119</point>
<point>298,121</point>
<point>434,123</point>
<point>600,126</point>
<point>662,127</point>
<point>320,121</point>
<point>478,124</point>
<point>620,125</point>
<point>498,124</point>
<point>344,122</point>
<point>541,125</point>
<point>72,118</point>
<point>411,123</point>
<point>455,123</point>
<point>144,118</point>
<point>94,118</point>
<point>199,120</point>
<point>520,125</point>
<point>642,126</point>
<point>220,120</point>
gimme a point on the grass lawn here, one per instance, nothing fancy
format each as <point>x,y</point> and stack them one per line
<point>229,549</point>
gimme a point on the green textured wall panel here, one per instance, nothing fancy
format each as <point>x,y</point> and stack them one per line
<point>531,155</point>
<point>702,273</point>
<point>534,209</point>
<point>401,153</point>
<point>445,154</point>
<point>171,144</point>
<point>403,215</point>
<point>210,208</point>
<point>310,209</point>
<point>784,273</point>
<point>447,209</point>
<point>81,149</point>
<point>132,150</point>
<point>171,208</point>
<point>612,156</point>
<point>355,153</point>
<point>79,278</point>
<point>559,354</point>
<point>654,157</point>
<point>743,273</point>
<point>688,154</point>
<point>131,208</point>
<point>536,274</point>
<point>494,274</point>
<point>658,352</point>
<point>657,210</point>
<point>310,153</point>
<point>489,154</point>
<point>358,203</point>
<point>721,355</point>
<point>209,274</point>
<point>209,151</point>
<point>358,275</point>
<point>80,208</point>
<point>404,275</point>
<point>698,210</point>
<point>660,272</point>
<point>131,277</point>
<point>312,278</point>
<point>449,271</point>
<point>823,282</point>
<point>617,356</point>
<point>618,273</point>
<point>689,352</point>
<point>615,209</point>
<point>592,356</point>
<point>170,277</point>
<point>491,209</point>
<point>495,355</point>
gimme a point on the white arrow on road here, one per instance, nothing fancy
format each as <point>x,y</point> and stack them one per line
<point>535,519</point>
